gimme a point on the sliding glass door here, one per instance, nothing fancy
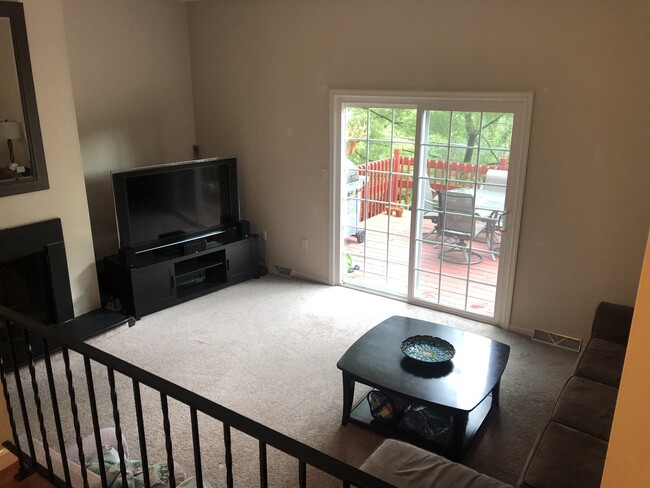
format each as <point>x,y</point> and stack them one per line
<point>465,160</point>
<point>428,196</point>
<point>376,230</point>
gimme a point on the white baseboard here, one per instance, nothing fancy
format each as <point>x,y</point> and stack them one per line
<point>293,273</point>
<point>520,330</point>
<point>6,459</point>
<point>309,277</point>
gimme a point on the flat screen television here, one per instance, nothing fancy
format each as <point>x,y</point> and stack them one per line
<point>157,206</point>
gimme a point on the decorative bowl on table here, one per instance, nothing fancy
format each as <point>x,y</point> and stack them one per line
<point>427,349</point>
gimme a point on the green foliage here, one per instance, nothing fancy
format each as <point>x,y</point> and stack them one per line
<point>374,133</point>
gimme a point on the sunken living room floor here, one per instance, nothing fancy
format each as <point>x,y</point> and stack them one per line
<point>268,349</point>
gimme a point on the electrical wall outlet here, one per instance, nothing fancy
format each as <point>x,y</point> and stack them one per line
<point>305,244</point>
<point>264,236</point>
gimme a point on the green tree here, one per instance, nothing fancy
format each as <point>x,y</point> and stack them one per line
<point>373,133</point>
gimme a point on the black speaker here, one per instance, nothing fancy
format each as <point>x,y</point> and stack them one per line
<point>243,229</point>
<point>195,246</point>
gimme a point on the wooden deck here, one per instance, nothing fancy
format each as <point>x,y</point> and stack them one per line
<point>382,262</point>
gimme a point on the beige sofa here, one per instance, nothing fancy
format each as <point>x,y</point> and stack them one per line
<point>570,451</point>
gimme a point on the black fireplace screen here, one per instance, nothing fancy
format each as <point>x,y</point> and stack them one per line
<point>26,288</point>
<point>34,277</point>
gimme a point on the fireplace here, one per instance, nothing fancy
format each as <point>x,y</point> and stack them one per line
<point>34,272</point>
<point>34,282</point>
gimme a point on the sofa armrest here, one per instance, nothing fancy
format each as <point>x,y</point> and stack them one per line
<point>612,322</point>
<point>406,466</point>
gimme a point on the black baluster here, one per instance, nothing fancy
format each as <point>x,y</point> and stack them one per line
<point>21,394</point>
<point>198,472</point>
<point>168,440</point>
<point>55,410</point>
<point>22,470</point>
<point>228,445</point>
<point>264,478</point>
<point>116,419</point>
<point>93,412</point>
<point>75,416</point>
<point>37,402</point>
<point>302,473</point>
<point>143,441</point>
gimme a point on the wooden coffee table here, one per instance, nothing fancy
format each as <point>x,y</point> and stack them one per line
<point>464,388</point>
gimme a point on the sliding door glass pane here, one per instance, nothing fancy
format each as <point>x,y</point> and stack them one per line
<point>464,172</point>
<point>375,221</point>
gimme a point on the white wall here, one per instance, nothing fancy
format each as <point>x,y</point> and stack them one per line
<point>130,70</point>
<point>262,72</point>
<point>66,197</point>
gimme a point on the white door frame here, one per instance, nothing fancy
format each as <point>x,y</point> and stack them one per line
<point>520,104</point>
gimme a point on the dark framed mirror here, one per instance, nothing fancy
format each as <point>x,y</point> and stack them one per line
<point>22,159</point>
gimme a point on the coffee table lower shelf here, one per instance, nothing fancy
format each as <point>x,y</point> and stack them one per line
<point>361,415</point>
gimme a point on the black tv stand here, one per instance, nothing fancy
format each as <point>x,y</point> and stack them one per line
<point>160,278</point>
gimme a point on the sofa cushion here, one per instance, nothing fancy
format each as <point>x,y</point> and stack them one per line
<point>587,406</point>
<point>602,361</point>
<point>612,322</point>
<point>564,458</point>
<point>405,465</point>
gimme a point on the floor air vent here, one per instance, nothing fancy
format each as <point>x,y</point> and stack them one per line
<point>283,271</point>
<point>558,340</point>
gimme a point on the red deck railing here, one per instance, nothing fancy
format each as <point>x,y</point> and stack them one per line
<point>390,180</point>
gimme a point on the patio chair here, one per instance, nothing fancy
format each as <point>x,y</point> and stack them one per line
<point>459,226</point>
<point>432,206</point>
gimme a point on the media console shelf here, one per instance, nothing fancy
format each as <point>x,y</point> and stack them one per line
<point>162,278</point>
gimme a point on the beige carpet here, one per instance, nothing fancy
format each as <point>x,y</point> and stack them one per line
<point>268,349</point>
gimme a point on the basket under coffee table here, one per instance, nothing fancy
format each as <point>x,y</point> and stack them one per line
<point>464,388</point>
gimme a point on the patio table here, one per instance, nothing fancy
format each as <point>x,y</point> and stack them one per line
<point>486,202</point>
